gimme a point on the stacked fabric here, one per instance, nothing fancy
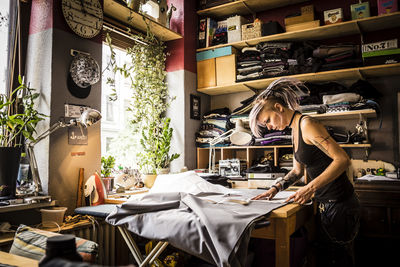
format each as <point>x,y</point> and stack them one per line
<point>214,124</point>
<point>337,56</point>
<point>249,64</point>
<point>274,57</point>
<point>275,138</point>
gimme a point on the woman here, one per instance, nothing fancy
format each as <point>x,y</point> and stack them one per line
<point>325,162</point>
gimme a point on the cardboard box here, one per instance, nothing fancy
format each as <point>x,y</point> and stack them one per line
<point>251,30</point>
<point>390,56</point>
<point>302,26</point>
<point>206,76</point>
<point>235,28</point>
<point>225,68</point>
<point>387,6</point>
<point>307,14</point>
<point>360,11</point>
<point>333,16</point>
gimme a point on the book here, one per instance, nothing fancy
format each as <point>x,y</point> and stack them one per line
<point>210,31</point>
<point>386,6</point>
<point>360,11</point>
<point>201,41</point>
<point>221,33</point>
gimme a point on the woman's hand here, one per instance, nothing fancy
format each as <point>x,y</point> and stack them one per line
<point>303,195</point>
<point>266,195</point>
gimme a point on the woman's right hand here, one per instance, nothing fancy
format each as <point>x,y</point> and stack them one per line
<point>266,195</point>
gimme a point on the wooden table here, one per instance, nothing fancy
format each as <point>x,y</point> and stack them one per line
<point>7,258</point>
<point>284,222</point>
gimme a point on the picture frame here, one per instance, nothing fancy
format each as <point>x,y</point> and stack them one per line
<point>195,107</point>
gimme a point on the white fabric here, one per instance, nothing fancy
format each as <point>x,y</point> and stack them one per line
<point>187,182</point>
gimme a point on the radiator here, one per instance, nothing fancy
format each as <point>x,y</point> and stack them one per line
<point>107,237</point>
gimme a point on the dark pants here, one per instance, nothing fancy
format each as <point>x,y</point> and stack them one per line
<point>338,224</point>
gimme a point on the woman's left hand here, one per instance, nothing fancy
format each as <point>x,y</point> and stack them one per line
<point>302,196</point>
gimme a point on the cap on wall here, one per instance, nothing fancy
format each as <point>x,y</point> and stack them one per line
<point>83,72</point>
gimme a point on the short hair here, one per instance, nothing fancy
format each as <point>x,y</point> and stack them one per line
<point>285,91</point>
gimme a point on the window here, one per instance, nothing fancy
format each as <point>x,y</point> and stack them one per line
<point>4,44</point>
<point>117,138</point>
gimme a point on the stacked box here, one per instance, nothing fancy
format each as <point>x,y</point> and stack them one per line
<point>380,57</point>
<point>251,30</point>
<point>360,11</point>
<point>235,28</point>
<point>333,16</point>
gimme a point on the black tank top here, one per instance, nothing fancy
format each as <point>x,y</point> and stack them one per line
<point>315,162</point>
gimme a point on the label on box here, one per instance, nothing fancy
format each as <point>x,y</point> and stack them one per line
<point>383,45</point>
<point>386,6</point>
<point>360,11</point>
<point>333,16</point>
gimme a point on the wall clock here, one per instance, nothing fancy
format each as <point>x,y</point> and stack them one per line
<point>84,17</point>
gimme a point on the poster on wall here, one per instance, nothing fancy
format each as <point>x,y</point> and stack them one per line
<point>195,107</point>
<point>77,135</point>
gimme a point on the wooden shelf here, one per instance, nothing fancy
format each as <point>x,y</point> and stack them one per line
<point>343,74</point>
<point>26,206</point>
<point>359,26</point>
<point>128,17</point>
<point>245,7</point>
<point>281,146</point>
<point>353,114</point>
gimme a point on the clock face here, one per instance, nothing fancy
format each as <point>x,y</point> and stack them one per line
<point>84,17</point>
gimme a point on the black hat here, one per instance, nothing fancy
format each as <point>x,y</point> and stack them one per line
<point>83,72</point>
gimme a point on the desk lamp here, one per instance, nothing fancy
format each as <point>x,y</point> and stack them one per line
<point>238,136</point>
<point>87,118</point>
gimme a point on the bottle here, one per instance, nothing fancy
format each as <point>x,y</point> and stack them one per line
<point>62,247</point>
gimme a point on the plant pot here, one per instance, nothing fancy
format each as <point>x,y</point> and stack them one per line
<point>108,183</point>
<point>9,165</point>
<point>149,179</point>
<point>163,171</point>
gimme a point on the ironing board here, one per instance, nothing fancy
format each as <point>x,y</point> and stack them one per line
<point>102,211</point>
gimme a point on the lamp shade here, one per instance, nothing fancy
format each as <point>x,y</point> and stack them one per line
<point>241,136</point>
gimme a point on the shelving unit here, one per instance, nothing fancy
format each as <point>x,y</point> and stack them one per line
<point>248,153</point>
<point>121,13</point>
<point>352,27</point>
<point>322,32</point>
<point>343,74</point>
<point>245,7</point>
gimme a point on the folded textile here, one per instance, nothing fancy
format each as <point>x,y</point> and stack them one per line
<point>344,97</point>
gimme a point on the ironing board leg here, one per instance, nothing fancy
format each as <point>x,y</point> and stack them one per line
<point>151,257</point>
<point>131,244</point>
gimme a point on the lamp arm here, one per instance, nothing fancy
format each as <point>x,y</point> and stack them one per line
<point>213,142</point>
<point>32,158</point>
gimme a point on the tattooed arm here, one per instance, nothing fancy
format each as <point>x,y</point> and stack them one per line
<point>295,174</point>
<point>314,133</point>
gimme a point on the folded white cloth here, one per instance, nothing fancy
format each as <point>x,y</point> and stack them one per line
<point>344,97</point>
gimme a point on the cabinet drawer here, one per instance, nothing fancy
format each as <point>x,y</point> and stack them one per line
<point>374,221</point>
<point>226,69</point>
<point>206,73</point>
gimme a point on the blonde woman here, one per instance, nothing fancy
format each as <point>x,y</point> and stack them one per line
<point>326,163</point>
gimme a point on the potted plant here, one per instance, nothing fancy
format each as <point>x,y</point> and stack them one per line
<point>149,101</point>
<point>18,120</point>
<point>107,167</point>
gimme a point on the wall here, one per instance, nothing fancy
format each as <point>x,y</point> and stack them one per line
<point>48,61</point>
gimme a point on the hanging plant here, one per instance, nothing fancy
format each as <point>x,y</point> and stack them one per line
<point>149,100</point>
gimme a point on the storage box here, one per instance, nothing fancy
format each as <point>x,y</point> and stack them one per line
<point>302,26</point>
<point>390,56</point>
<point>307,14</point>
<point>387,6</point>
<point>206,73</point>
<point>251,30</point>
<point>235,28</point>
<point>225,68</point>
<point>333,16</point>
<point>213,53</point>
<point>360,11</point>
